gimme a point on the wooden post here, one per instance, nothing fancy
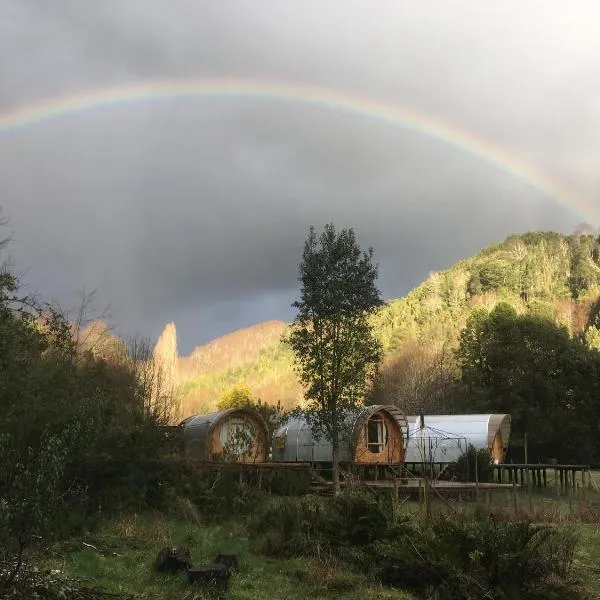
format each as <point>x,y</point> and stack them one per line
<point>514,494</point>
<point>556,482</point>
<point>260,479</point>
<point>526,462</point>
<point>426,493</point>
<point>561,477</point>
<point>396,489</point>
<point>476,479</point>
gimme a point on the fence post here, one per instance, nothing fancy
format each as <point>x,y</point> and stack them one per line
<point>427,498</point>
<point>476,479</point>
<point>514,495</point>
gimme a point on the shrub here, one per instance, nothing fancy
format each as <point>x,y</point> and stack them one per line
<point>464,468</point>
<point>464,559</point>
<point>452,558</point>
<point>311,524</point>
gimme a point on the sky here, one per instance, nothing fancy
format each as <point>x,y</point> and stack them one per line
<point>195,209</point>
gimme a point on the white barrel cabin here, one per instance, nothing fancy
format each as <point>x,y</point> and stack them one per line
<point>375,435</point>
<point>442,439</point>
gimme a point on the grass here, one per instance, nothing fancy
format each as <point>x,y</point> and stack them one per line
<point>124,550</point>
<point>587,566</point>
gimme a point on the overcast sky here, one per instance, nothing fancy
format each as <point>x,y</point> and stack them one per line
<point>195,210</point>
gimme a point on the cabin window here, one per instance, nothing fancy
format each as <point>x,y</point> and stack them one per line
<point>376,434</point>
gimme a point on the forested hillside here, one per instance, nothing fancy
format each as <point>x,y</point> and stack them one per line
<point>540,273</point>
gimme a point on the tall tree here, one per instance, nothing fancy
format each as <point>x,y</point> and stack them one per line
<point>332,338</point>
<point>530,367</point>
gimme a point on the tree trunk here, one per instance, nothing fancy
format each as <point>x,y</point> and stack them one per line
<point>335,475</point>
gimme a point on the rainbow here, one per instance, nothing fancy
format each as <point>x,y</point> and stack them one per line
<point>320,98</point>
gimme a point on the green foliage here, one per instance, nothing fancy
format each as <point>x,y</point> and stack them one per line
<point>235,397</point>
<point>474,461</point>
<point>553,275</point>
<point>592,337</point>
<point>530,367</point>
<point>468,559</point>
<point>287,482</point>
<point>336,353</point>
<point>454,558</point>
<point>297,526</point>
<point>240,397</point>
<point>78,432</point>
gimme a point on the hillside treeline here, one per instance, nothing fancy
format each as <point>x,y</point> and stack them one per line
<point>546,287</point>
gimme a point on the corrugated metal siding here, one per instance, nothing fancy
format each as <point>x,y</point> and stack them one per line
<point>196,435</point>
<point>294,442</point>
<point>299,445</point>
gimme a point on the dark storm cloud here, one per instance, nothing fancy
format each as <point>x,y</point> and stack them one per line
<point>196,210</point>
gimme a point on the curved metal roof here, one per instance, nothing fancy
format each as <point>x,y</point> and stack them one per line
<point>474,425</point>
<point>213,418</point>
<point>301,445</point>
<point>446,437</point>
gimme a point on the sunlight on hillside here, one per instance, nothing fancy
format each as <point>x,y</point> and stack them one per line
<point>546,273</point>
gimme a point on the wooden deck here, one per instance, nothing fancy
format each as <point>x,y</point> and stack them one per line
<point>411,485</point>
<point>456,486</point>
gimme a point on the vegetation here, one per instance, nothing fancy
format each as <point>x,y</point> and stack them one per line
<point>474,465</point>
<point>79,428</point>
<point>538,273</point>
<point>548,381</point>
<point>336,353</point>
<point>89,492</point>
<point>463,557</point>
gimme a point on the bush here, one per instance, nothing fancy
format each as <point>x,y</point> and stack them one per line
<point>453,558</point>
<point>287,482</point>
<point>311,524</point>
<point>472,461</point>
<point>464,559</point>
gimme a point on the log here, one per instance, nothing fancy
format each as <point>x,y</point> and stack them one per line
<point>211,574</point>
<point>172,560</point>
<point>229,560</point>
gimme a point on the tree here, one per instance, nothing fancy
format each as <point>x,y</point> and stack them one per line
<point>419,376</point>
<point>235,397</point>
<point>528,366</point>
<point>332,338</point>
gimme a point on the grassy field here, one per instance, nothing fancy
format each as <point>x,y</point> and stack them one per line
<point>119,556</point>
<point>124,550</point>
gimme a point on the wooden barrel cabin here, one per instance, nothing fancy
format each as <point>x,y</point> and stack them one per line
<point>375,435</point>
<point>236,435</point>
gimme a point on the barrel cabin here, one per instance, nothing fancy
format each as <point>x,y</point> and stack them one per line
<point>442,439</point>
<point>236,435</point>
<point>374,435</point>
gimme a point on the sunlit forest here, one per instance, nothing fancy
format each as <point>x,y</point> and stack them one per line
<point>543,274</point>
